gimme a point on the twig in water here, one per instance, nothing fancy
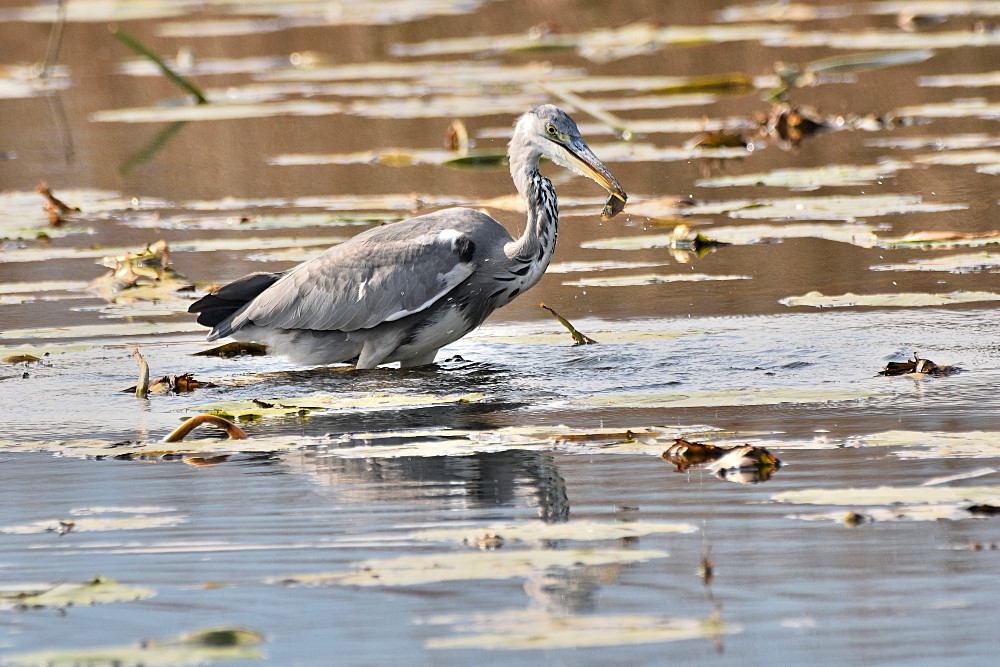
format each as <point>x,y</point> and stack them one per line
<point>56,208</point>
<point>582,105</point>
<point>579,338</point>
<point>231,429</point>
<point>142,386</point>
<point>55,40</point>
<point>143,50</point>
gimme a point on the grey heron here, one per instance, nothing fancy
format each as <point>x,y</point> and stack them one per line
<point>400,292</point>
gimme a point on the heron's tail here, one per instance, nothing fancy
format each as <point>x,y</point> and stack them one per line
<point>220,305</point>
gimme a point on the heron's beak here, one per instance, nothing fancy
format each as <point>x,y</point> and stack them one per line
<point>583,161</point>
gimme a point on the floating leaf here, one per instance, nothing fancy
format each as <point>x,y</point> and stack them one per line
<point>729,397</point>
<point>263,221</point>
<point>966,263</point>
<point>812,178</point>
<point>600,45</point>
<point>883,39</point>
<point>857,234</point>
<point>22,81</point>
<point>99,590</point>
<point>597,265</point>
<point>934,444</point>
<point>539,532</point>
<point>87,524</point>
<point>422,569</point>
<point>844,208</point>
<point>254,409</point>
<point>42,351</point>
<point>285,15</point>
<point>940,143</point>
<point>942,239</point>
<point>94,331</point>
<point>396,157</point>
<point>889,495</point>
<point>196,648</point>
<point>974,80</point>
<point>891,300</point>
<point>538,630</point>
<point>948,479</point>
<point>960,157</point>
<point>43,286</point>
<point>857,62</point>
<point>192,245</point>
<point>218,110</point>
<point>965,108</point>
<point>647,279</point>
<point>780,11</point>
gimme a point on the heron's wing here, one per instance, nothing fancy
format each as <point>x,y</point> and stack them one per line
<point>363,282</point>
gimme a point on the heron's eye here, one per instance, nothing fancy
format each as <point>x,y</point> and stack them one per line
<point>551,129</point>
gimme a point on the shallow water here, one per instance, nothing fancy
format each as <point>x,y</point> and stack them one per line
<point>511,503</point>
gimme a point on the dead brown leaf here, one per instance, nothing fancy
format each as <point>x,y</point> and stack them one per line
<point>917,366</point>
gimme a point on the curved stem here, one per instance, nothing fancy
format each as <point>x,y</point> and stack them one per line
<point>231,429</point>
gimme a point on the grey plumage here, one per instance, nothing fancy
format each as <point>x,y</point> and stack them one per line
<point>400,292</point>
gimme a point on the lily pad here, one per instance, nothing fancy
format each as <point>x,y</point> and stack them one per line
<point>964,263</point>
<point>890,300</point>
<point>960,157</point>
<point>43,286</point>
<point>396,157</point>
<point>22,81</point>
<point>195,648</point>
<point>859,234</point>
<point>216,111</point>
<point>870,40</point>
<point>98,522</point>
<point>541,532</point>
<point>780,11</point>
<point>600,45</point>
<point>597,265</point>
<point>965,108</point>
<point>812,178</point>
<point>971,80</point>
<point>941,143</point>
<point>154,450</point>
<point>934,444</point>
<point>87,11</point>
<point>423,569</point>
<point>890,495</point>
<point>844,208</point>
<point>535,629</point>
<point>98,590</point>
<point>647,279</point>
<point>255,409</point>
<point>261,222</point>
<point>731,397</point>
<point>940,240</point>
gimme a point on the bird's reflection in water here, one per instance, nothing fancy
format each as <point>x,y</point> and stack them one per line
<point>483,481</point>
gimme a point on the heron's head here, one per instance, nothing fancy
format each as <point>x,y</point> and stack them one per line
<point>551,132</point>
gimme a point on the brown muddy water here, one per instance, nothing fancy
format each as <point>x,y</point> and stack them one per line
<point>511,503</point>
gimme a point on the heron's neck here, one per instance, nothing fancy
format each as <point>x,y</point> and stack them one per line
<point>535,246</point>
